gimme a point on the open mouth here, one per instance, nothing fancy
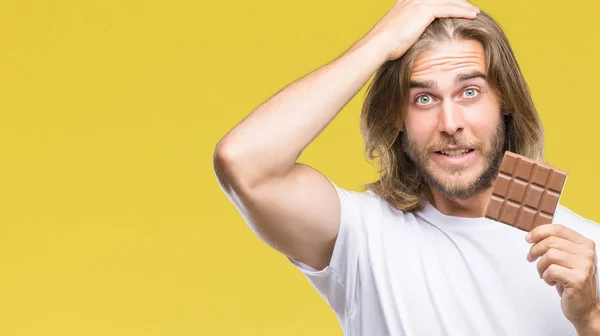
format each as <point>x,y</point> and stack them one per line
<point>455,153</point>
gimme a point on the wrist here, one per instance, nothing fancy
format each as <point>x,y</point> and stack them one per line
<point>591,325</point>
<point>377,46</point>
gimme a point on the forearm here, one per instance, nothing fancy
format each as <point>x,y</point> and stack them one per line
<point>591,326</point>
<point>592,329</point>
<point>269,141</point>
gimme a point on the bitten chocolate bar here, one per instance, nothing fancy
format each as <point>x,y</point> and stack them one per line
<point>526,192</point>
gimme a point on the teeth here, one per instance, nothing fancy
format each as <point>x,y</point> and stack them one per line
<point>455,151</point>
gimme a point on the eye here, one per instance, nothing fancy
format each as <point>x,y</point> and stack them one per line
<point>424,99</point>
<point>471,92</point>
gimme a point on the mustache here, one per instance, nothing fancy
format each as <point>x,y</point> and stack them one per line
<point>439,145</point>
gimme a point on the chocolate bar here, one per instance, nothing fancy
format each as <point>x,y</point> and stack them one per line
<point>526,192</point>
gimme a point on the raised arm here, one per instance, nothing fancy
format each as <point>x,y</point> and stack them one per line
<point>291,206</point>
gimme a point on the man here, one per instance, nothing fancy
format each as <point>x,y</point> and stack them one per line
<point>414,255</point>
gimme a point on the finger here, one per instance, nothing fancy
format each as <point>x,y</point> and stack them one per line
<point>544,231</point>
<point>568,278</point>
<point>560,258</point>
<point>465,4</point>
<point>540,248</point>
<point>455,11</point>
<point>470,5</point>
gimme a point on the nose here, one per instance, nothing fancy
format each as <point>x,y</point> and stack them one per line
<point>450,118</point>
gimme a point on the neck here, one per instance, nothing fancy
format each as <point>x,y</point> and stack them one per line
<point>474,206</point>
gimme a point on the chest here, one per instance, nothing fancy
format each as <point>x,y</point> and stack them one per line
<point>430,281</point>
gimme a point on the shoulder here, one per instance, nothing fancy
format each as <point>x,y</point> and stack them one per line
<point>577,223</point>
<point>358,200</point>
<point>367,208</point>
<point>370,203</point>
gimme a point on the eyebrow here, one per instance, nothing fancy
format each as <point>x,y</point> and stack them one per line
<point>460,78</point>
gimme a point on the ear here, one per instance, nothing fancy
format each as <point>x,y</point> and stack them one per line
<point>400,126</point>
<point>505,110</point>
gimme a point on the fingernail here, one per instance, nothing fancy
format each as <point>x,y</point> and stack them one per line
<point>529,257</point>
<point>528,238</point>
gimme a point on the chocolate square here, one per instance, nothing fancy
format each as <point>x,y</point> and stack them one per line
<point>526,192</point>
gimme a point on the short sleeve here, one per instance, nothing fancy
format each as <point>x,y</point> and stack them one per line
<point>337,283</point>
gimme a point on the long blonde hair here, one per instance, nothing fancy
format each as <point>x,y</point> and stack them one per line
<point>386,100</point>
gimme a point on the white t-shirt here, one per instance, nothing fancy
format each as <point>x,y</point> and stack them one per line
<point>429,274</point>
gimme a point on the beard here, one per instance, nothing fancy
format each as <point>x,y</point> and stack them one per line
<point>454,188</point>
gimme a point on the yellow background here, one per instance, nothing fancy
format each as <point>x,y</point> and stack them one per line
<point>111,220</point>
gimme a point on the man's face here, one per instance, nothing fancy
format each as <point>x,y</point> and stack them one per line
<point>453,127</point>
